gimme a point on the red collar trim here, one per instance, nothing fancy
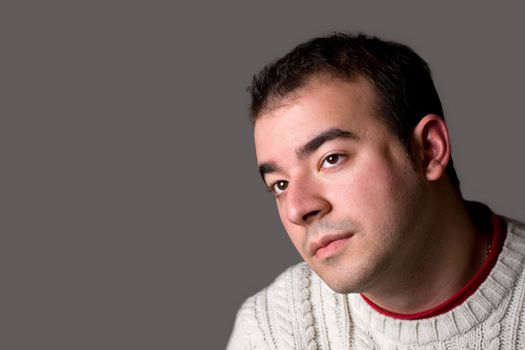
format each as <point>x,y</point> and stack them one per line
<point>498,236</point>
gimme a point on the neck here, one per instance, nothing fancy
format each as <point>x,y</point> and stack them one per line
<point>432,271</point>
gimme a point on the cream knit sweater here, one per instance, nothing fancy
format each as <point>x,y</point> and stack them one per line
<point>299,311</point>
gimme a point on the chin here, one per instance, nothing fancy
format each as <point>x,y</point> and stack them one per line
<point>337,284</point>
<point>345,280</point>
<point>342,288</point>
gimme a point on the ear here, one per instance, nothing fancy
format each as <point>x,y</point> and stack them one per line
<point>432,146</point>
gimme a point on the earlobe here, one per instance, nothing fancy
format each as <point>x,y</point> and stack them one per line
<point>433,146</point>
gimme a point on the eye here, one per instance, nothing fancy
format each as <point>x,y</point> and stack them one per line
<point>278,187</point>
<point>332,160</point>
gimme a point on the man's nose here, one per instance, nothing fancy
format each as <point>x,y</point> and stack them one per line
<point>305,202</point>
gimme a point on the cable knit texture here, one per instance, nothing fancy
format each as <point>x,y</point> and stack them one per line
<point>299,311</point>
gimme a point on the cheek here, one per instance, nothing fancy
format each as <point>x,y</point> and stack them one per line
<point>363,184</point>
<point>371,193</point>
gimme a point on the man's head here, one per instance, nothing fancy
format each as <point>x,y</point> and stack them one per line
<point>353,188</point>
<point>401,79</point>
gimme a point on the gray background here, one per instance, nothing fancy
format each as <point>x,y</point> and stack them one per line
<point>133,216</point>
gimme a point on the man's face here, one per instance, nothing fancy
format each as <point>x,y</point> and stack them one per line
<point>346,191</point>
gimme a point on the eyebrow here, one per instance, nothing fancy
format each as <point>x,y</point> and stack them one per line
<point>328,135</point>
<point>267,168</point>
<point>309,147</point>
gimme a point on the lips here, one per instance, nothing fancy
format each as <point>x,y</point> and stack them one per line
<point>328,244</point>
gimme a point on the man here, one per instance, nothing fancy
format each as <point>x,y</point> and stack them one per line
<point>351,140</point>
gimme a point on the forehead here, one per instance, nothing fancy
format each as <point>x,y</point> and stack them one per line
<point>317,106</point>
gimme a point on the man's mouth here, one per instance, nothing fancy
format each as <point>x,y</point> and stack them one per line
<point>328,245</point>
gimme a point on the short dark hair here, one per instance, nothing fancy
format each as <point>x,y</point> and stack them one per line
<point>401,78</point>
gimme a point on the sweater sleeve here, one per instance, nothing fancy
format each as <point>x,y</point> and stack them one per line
<point>246,334</point>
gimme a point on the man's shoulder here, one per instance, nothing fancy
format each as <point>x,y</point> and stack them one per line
<point>515,235</point>
<point>272,314</point>
<point>514,225</point>
<point>295,299</point>
<point>297,274</point>
<point>291,281</point>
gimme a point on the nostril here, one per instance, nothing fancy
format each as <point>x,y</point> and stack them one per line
<point>308,215</point>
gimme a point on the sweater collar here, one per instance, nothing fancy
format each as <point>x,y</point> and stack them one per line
<point>495,230</point>
<point>491,296</point>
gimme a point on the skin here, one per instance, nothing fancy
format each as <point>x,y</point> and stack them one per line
<point>408,241</point>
